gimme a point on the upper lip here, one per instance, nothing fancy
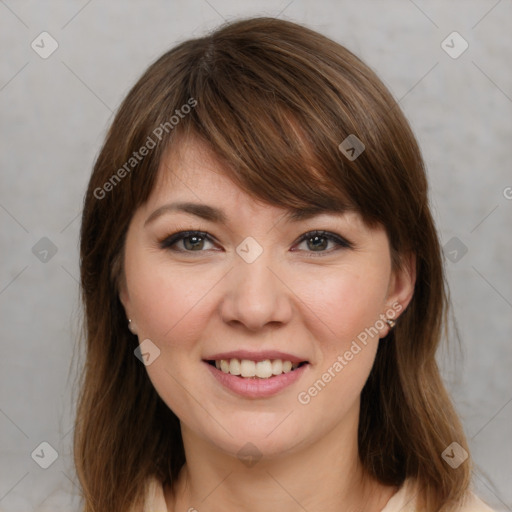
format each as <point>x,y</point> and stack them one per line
<point>255,356</point>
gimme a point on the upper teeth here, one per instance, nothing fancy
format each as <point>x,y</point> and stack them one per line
<point>262,369</point>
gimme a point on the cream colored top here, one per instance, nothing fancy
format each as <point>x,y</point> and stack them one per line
<point>405,501</point>
<point>402,501</point>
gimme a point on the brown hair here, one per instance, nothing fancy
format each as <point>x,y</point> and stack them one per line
<point>273,100</point>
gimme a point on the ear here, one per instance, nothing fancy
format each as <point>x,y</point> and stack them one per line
<point>402,281</point>
<point>400,289</point>
<point>124,297</point>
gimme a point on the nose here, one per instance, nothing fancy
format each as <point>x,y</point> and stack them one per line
<point>256,295</point>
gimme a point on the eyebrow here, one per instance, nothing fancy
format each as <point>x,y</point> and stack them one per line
<point>213,214</point>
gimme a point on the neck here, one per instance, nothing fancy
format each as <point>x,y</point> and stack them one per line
<point>325,475</point>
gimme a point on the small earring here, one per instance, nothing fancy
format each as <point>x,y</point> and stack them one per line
<point>390,322</point>
<point>131,326</point>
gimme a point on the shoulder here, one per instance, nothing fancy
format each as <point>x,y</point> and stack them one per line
<point>474,504</point>
<point>405,501</point>
<point>155,499</point>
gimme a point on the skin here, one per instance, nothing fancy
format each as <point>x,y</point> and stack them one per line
<point>293,298</point>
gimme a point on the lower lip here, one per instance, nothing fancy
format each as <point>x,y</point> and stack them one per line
<point>256,387</point>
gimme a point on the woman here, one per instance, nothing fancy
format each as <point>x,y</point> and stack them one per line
<point>264,291</point>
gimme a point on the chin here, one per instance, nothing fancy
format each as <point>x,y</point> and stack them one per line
<point>268,436</point>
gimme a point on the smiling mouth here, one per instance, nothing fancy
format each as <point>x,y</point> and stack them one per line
<point>247,369</point>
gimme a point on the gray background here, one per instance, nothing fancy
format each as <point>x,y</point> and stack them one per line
<point>54,114</point>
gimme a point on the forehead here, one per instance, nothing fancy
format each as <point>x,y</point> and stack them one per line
<point>191,166</point>
<point>193,179</point>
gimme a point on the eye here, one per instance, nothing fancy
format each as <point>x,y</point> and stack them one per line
<point>192,241</point>
<point>318,241</point>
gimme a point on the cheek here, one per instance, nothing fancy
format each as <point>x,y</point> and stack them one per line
<point>171,307</point>
<point>168,301</point>
<point>347,301</point>
<point>348,304</point>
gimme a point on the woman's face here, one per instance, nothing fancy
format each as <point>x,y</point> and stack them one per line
<point>254,290</point>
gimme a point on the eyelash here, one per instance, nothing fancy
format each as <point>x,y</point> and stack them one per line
<point>171,240</point>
